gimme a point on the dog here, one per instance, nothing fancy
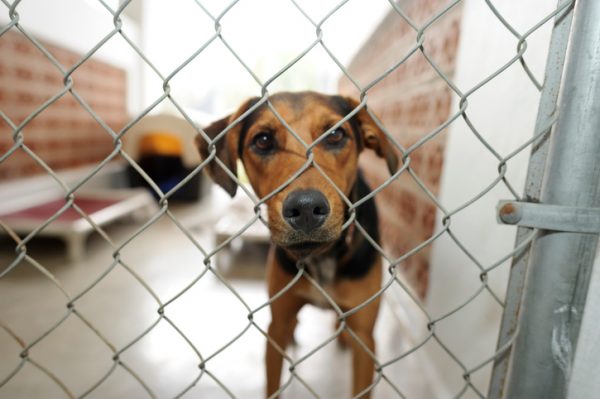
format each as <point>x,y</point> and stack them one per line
<point>306,216</point>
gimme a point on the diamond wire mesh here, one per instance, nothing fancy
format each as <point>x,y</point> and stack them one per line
<point>204,359</point>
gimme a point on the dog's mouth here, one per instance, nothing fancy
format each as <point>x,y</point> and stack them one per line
<point>306,245</point>
<point>302,245</point>
<point>306,248</point>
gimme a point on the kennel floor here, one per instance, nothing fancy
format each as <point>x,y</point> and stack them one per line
<point>210,316</point>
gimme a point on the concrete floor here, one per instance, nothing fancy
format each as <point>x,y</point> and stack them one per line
<point>120,308</point>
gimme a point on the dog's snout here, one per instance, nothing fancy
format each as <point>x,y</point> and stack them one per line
<point>305,210</point>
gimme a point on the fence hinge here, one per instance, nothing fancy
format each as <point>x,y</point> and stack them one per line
<point>549,217</point>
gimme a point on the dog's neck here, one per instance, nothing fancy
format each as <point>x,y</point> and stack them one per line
<point>321,268</point>
<point>351,255</point>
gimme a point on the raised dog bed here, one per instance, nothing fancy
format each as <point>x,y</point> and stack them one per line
<point>102,206</point>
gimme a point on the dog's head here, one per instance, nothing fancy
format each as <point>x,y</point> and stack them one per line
<point>306,215</point>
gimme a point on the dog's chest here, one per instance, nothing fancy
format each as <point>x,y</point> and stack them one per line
<point>323,272</point>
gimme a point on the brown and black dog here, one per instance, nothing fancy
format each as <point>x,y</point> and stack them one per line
<point>306,217</point>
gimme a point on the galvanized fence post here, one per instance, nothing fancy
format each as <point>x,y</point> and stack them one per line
<point>562,256</point>
<point>532,191</point>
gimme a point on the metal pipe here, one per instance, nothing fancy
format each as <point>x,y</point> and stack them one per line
<point>561,262</point>
<point>547,107</point>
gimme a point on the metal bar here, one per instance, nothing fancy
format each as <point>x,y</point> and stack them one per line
<point>550,217</point>
<point>535,173</point>
<point>561,262</point>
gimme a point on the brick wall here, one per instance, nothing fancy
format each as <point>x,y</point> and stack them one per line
<point>411,101</point>
<point>64,135</point>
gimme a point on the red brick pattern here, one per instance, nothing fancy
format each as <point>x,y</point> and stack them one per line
<point>412,101</point>
<point>64,135</point>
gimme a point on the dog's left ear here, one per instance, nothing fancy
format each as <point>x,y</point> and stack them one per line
<point>373,136</point>
<point>226,148</point>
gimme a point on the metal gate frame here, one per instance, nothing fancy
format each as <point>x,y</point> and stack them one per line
<point>549,279</point>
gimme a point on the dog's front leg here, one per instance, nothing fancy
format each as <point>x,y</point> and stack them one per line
<point>362,324</point>
<point>363,365</point>
<point>283,321</point>
<point>281,332</point>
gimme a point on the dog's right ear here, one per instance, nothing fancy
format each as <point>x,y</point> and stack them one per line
<point>373,137</point>
<point>226,148</point>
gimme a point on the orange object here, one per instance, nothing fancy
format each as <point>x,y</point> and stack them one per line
<point>160,143</point>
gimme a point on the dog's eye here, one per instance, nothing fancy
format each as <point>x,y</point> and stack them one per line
<point>263,142</point>
<point>336,138</point>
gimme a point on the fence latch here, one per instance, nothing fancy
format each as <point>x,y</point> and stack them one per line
<point>549,217</point>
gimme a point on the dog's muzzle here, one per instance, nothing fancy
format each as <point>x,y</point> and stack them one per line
<point>305,210</point>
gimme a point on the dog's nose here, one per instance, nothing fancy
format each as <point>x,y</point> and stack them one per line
<point>305,209</point>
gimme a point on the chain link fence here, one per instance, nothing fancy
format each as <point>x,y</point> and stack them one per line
<point>118,353</point>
